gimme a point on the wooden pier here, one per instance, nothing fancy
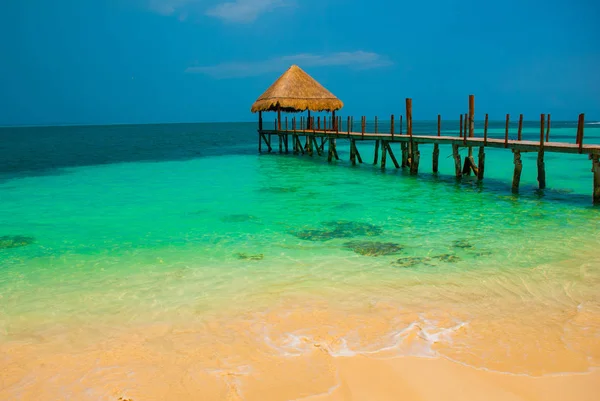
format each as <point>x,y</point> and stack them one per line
<point>311,137</point>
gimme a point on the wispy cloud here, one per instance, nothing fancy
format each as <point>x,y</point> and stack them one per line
<point>246,10</point>
<point>237,11</point>
<point>357,60</point>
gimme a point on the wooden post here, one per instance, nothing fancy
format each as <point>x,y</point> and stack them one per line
<point>519,134</point>
<point>517,172</point>
<point>308,121</point>
<point>334,121</point>
<point>383,154</point>
<point>280,143</point>
<point>409,129</point>
<point>392,126</point>
<point>352,154</point>
<point>485,127</point>
<point>259,142</point>
<point>362,125</point>
<point>319,123</point>
<point>376,152</point>
<point>329,151</point>
<point>540,161</point>
<point>416,156</point>
<point>596,171</point>
<point>278,118</point>
<point>400,124</point>
<point>436,147</point>
<point>388,148</point>
<point>460,134</point>
<point>465,129</point>
<point>404,148</point>
<point>481,163</point>
<point>506,132</point>
<point>260,121</point>
<point>409,116</point>
<point>456,155</point>
<point>581,125</point>
<point>471,121</point>
<point>548,129</point>
<point>351,124</point>
<point>375,124</point>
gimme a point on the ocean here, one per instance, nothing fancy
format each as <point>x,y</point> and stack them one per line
<point>130,251</point>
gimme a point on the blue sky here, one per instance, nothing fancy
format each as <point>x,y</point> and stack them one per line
<point>147,61</point>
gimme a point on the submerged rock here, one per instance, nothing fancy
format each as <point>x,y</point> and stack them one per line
<point>339,229</point>
<point>411,261</point>
<point>15,241</point>
<point>373,248</point>
<point>353,228</point>
<point>237,218</point>
<point>244,256</point>
<point>447,257</point>
<point>462,244</point>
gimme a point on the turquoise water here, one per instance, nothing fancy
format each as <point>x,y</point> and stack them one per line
<point>135,224</point>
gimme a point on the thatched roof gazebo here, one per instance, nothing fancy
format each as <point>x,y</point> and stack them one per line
<point>296,91</point>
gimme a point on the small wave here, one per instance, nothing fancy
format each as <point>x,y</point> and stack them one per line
<point>593,123</point>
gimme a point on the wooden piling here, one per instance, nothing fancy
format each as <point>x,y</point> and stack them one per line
<point>375,124</point>
<point>481,163</point>
<point>392,126</point>
<point>280,143</point>
<point>506,131</point>
<point>596,172</point>
<point>436,147</point>
<point>348,125</point>
<point>409,128</point>
<point>460,133</point>
<point>400,124</point>
<point>362,126</point>
<point>383,154</point>
<point>319,123</point>
<point>471,121</point>
<point>329,151</point>
<point>335,121</point>
<point>404,148</point>
<point>465,129</point>
<point>456,155</point>
<point>517,172</point>
<point>580,127</point>
<point>519,134</point>
<point>260,121</point>
<point>540,160</point>
<point>278,118</point>
<point>416,156</point>
<point>485,129</point>
<point>376,152</point>
<point>548,129</point>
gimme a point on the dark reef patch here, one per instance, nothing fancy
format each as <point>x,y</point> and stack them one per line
<point>373,248</point>
<point>15,241</point>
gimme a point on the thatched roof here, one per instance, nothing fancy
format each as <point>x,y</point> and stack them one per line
<point>294,91</point>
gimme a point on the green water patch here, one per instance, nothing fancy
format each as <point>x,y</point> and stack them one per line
<point>238,218</point>
<point>15,241</point>
<point>246,256</point>
<point>339,229</point>
<point>373,248</point>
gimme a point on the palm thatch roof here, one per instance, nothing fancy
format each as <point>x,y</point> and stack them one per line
<point>296,91</point>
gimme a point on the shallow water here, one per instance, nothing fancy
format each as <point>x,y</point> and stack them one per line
<point>171,238</point>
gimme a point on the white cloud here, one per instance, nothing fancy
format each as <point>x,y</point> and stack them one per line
<point>245,10</point>
<point>239,11</point>
<point>358,60</point>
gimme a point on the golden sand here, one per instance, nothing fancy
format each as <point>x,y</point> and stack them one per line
<point>300,350</point>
